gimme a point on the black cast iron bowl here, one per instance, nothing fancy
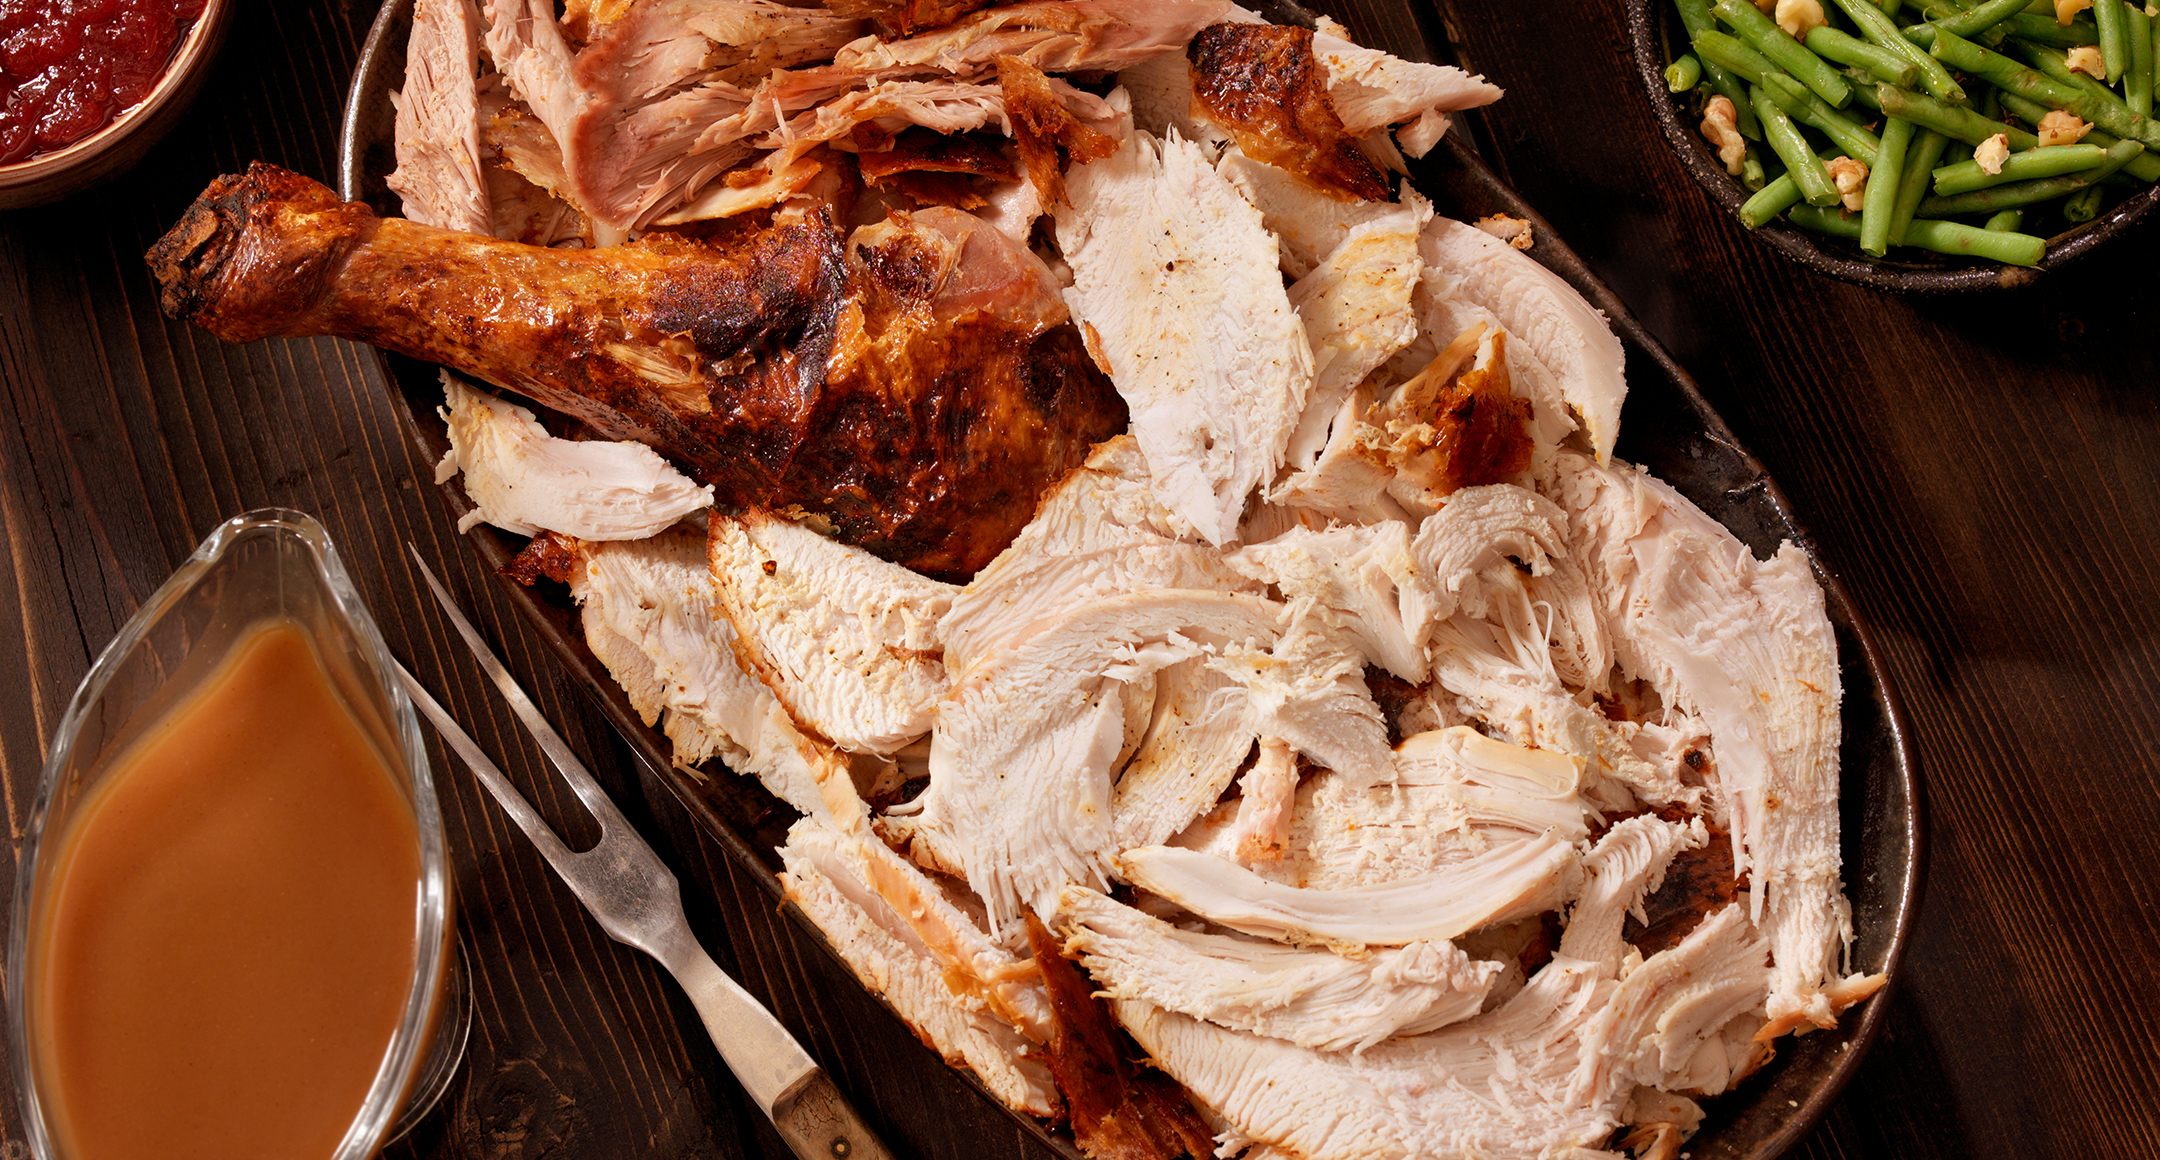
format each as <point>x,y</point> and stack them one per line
<point>1668,427</point>
<point>1654,30</point>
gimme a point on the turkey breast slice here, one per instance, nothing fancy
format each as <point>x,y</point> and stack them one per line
<point>1495,1086</point>
<point>1371,90</point>
<point>1366,575</point>
<point>1052,35</point>
<point>1196,740</point>
<point>1626,865</point>
<point>524,480</point>
<point>1312,997</point>
<point>1175,282</point>
<point>847,641</point>
<point>1021,759</point>
<point>1100,532</point>
<point>1744,644</point>
<point>1545,317</point>
<point>1356,309</point>
<point>439,180</point>
<point>1309,224</point>
<point>646,608</point>
<point>881,946</point>
<point>1455,794</point>
<point>1511,880</point>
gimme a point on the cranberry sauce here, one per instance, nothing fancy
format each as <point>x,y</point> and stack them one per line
<point>68,67</point>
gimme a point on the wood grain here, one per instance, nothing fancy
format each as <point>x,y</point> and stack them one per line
<point>1981,472</point>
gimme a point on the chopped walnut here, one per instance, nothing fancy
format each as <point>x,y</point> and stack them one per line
<point>1849,174</point>
<point>1991,153</point>
<point>1721,127</point>
<point>1512,230</point>
<point>1800,17</point>
<point>2066,10</point>
<point>2087,59</point>
<point>2061,128</point>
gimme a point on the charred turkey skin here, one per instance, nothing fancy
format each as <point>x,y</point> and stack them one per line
<point>764,363</point>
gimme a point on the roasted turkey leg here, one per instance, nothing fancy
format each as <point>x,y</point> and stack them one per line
<point>919,395</point>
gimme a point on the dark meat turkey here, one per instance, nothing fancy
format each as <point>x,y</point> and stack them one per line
<point>916,388</point>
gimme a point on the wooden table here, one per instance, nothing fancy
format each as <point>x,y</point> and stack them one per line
<point>1984,471</point>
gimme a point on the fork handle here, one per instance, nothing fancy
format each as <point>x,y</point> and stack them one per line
<point>818,1123</point>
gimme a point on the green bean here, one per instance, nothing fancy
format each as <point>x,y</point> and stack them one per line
<point>1941,237</point>
<point>1981,17</point>
<point>2046,161</point>
<point>1809,109</point>
<point>2024,193</point>
<point>1882,33</point>
<point>1695,17</point>
<point>1772,200</point>
<point>2044,30</point>
<point>2009,221</point>
<point>2145,166</point>
<point>2109,16</point>
<point>2013,77</point>
<point>1683,74</point>
<point>1927,149</point>
<point>1752,177</point>
<point>2082,206</point>
<point>1763,35</point>
<point>1878,206</point>
<point>1791,148</point>
<point>2011,249</point>
<point>1949,120</point>
<point>1879,63</point>
<point>2138,82</point>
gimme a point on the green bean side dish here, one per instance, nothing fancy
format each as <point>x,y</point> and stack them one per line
<point>1927,95</point>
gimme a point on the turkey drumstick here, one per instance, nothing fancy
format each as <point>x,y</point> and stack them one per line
<point>917,387</point>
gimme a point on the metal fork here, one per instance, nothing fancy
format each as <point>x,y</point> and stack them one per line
<point>639,902</point>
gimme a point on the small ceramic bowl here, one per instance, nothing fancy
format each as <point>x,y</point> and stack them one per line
<point>112,149</point>
<point>1654,29</point>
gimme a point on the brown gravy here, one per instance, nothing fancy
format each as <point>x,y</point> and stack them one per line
<point>228,937</point>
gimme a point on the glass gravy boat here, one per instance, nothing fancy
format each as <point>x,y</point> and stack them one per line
<point>270,565</point>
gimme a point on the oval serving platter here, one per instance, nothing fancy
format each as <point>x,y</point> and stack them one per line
<point>1667,427</point>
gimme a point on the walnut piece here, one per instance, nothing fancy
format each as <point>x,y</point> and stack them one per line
<point>2062,128</point>
<point>1849,174</point>
<point>2066,10</point>
<point>1800,17</point>
<point>2087,59</point>
<point>1721,127</point>
<point>1991,153</point>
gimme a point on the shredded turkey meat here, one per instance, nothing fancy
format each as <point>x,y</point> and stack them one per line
<point>1179,574</point>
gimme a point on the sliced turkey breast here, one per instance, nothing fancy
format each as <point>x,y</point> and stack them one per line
<point>1547,317</point>
<point>1372,90</point>
<point>1024,749</point>
<point>1494,1086</point>
<point>882,945</point>
<point>1193,746</point>
<point>847,641</point>
<point>1511,880</point>
<point>439,177</point>
<point>1367,576</point>
<point>523,480</point>
<point>1312,997</point>
<point>1744,644</point>
<point>1356,309</point>
<point>647,614</point>
<point>1175,283</point>
<point>1308,689</point>
<point>1627,864</point>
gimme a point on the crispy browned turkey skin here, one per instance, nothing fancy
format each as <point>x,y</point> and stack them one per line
<point>1263,84</point>
<point>916,391</point>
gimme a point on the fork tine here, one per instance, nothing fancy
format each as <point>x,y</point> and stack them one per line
<point>513,803</point>
<point>551,743</point>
